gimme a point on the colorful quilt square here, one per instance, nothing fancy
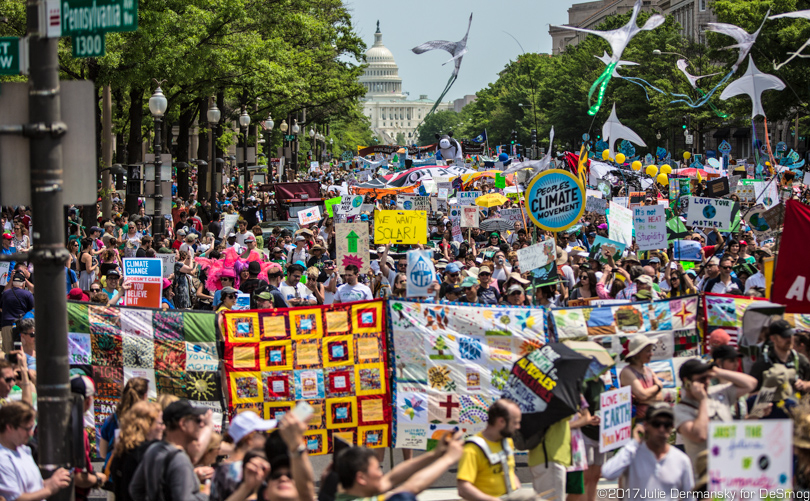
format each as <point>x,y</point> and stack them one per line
<point>369,379</point>
<point>203,386</point>
<point>242,327</point>
<point>168,325</point>
<point>137,322</point>
<point>367,348</point>
<point>338,351</point>
<point>274,326</point>
<point>79,349</point>
<point>104,320</point>
<point>373,436</point>
<point>371,410</point>
<point>316,442</point>
<point>339,382</point>
<point>306,323</point>
<point>309,384</point>
<point>317,421</point>
<point>139,352</point>
<point>341,412</point>
<point>107,350</point>
<point>202,357</point>
<point>199,327</point>
<point>244,357</point>
<point>78,318</point>
<point>256,408</point>
<point>308,354</point>
<point>348,435</point>
<point>276,355</point>
<point>171,383</point>
<point>278,386</point>
<point>109,381</point>
<point>170,355</point>
<point>276,410</point>
<point>246,387</point>
<point>367,318</point>
<point>337,322</point>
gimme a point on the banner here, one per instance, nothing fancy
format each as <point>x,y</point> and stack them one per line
<point>333,357</point>
<point>467,197</point>
<point>594,204</point>
<point>616,411</point>
<point>309,215</point>
<point>452,363</point>
<point>604,247</point>
<point>537,256</point>
<point>420,273</point>
<point>686,250</point>
<point>400,227</point>
<point>175,350</point>
<point>710,212</point>
<point>406,201</point>
<point>351,245</point>
<point>791,286</point>
<point>650,224</point>
<point>620,224</point>
<point>469,216</point>
<point>228,224</point>
<point>146,277</point>
<point>555,200</point>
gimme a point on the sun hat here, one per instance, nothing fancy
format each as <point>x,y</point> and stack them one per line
<point>246,423</point>
<point>514,288</point>
<point>638,343</point>
<point>229,290</point>
<point>562,256</point>
<point>645,279</point>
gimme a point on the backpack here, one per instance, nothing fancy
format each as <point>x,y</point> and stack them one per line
<point>164,493</point>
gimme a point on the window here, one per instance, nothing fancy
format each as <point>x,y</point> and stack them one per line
<point>702,5</point>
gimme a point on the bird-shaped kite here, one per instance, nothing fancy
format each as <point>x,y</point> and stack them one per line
<point>606,60</point>
<point>613,130</point>
<point>745,40</point>
<point>456,49</point>
<point>753,83</point>
<point>801,14</point>
<point>692,79</point>
<point>537,166</point>
<point>618,40</point>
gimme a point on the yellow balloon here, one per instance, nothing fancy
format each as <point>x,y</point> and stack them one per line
<point>636,165</point>
<point>686,155</point>
<point>651,170</point>
<point>666,169</point>
<point>620,158</point>
<point>605,154</point>
<point>662,179</point>
<point>767,164</point>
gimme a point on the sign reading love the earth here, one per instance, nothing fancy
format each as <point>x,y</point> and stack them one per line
<point>556,200</point>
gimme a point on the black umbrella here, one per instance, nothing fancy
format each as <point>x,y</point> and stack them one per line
<point>546,385</point>
<point>496,224</point>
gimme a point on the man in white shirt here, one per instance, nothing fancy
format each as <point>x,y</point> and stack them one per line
<point>294,292</point>
<point>653,466</point>
<point>243,233</point>
<point>352,290</point>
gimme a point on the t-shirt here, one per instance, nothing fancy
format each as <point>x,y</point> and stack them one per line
<point>15,303</point>
<point>474,467</point>
<point>348,293</point>
<point>721,398</point>
<point>299,291</point>
<point>557,443</point>
<point>18,472</point>
<point>489,295</point>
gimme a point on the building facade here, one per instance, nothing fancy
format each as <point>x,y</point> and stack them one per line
<point>385,104</point>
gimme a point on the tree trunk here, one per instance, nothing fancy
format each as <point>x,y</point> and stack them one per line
<point>203,178</point>
<point>118,109</point>
<point>135,122</point>
<point>186,119</point>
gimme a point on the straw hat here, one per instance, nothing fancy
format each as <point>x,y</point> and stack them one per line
<point>562,256</point>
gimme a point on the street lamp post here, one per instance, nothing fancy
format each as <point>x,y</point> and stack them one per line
<point>268,128</point>
<point>282,175</point>
<point>244,121</point>
<point>313,142</point>
<point>213,117</point>
<point>157,106</point>
<point>295,130</point>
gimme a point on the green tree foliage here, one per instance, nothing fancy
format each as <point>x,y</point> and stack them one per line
<point>440,122</point>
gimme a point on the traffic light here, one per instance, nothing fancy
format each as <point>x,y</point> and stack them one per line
<point>514,137</point>
<point>683,122</point>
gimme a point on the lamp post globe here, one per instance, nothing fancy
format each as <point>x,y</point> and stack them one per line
<point>283,126</point>
<point>158,103</point>
<point>213,114</point>
<point>296,128</point>
<point>311,132</point>
<point>268,124</point>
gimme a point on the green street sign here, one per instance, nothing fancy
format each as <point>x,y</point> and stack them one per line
<point>89,45</point>
<point>10,60</point>
<point>98,16</point>
<point>289,137</point>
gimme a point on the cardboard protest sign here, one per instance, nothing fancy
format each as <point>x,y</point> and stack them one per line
<point>400,227</point>
<point>441,205</point>
<point>686,250</point>
<point>775,216</point>
<point>351,246</point>
<point>537,255</point>
<point>555,200</point>
<point>350,205</point>
<point>469,216</point>
<point>468,197</point>
<point>766,193</point>
<point>636,198</point>
<point>146,277</point>
<point>329,203</point>
<point>420,273</point>
<point>710,213</point>
<point>651,227</point>
<point>623,201</point>
<point>716,188</point>
<point>594,204</point>
<point>457,234</point>
<point>616,411</point>
<point>513,215</point>
<point>228,224</point>
<point>168,264</point>
<point>620,224</point>
<point>408,201</point>
<point>309,215</point>
<point>603,247</point>
<point>4,269</point>
<point>454,212</point>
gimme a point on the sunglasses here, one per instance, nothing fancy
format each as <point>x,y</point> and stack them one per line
<point>454,274</point>
<point>31,334</point>
<point>229,296</point>
<point>584,277</point>
<point>95,289</point>
<point>659,424</point>
<point>726,267</point>
<point>9,380</point>
<point>484,274</point>
<point>277,474</point>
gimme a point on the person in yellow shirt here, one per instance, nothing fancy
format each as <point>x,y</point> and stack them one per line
<point>488,458</point>
<point>549,460</point>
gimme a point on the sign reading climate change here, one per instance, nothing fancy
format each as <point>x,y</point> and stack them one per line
<point>146,277</point>
<point>556,200</point>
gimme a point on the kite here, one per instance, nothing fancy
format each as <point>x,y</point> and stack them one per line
<point>450,148</point>
<point>801,14</point>
<point>456,49</point>
<point>537,166</point>
<point>613,130</point>
<point>692,79</point>
<point>605,58</point>
<point>753,83</point>
<point>618,40</point>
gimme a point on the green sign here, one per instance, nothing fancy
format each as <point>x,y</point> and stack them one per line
<point>329,203</point>
<point>89,45</point>
<point>352,239</point>
<point>289,137</point>
<point>98,16</point>
<point>10,56</point>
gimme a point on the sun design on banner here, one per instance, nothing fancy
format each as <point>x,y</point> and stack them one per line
<point>202,387</point>
<point>439,377</point>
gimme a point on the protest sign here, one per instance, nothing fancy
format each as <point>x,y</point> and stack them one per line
<point>790,282</point>
<point>469,216</point>
<point>168,264</point>
<point>594,204</point>
<point>621,201</point>
<point>733,182</point>
<point>441,205</point>
<point>351,245</point>
<point>454,212</point>
<point>651,227</point>
<point>228,224</point>
<point>420,273</point>
<point>400,227</point>
<point>555,200</point>
<point>512,215</point>
<point>442,193</point>
<point>444,185</point>
<point>636,199</point>
<point>716,188</point>
<point>309,215</point>
<point>616,411</point>
<point>675,188</point>
<point>468,197</point>
<point>242,301</point>
<point>766,193</point>
<point>408,201</point>
<point>686,250</point>
<point>620,224</point>
<point>457,234</point>
<point>4,270</point>
<point>146,277</point>
<point>604,247</point>
<point>746,191</point>
<point>537,255</point>
<point>775,216</point>
<point>329,203</point>
<point>350,205</point>
<point>367,208</point>
<point>710,213</point>
<point>751,459</point>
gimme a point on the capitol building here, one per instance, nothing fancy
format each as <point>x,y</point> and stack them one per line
<point>385,105</point>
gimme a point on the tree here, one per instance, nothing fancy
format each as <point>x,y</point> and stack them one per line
<point>440,122</point>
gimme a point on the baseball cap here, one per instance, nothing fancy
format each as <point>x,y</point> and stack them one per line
<point>113,273</point>
<point>469,282</point>
<point>250,238</point>
<point>454,289</point>
<point>276,249</point>
<point>231,235</point>
<point>7,236</point>
<point>452,268</point>
<point>645,279</point>
<point>514,288</point>
<point>654,260</point>
<point>264,295</point>
<point>659,409</point>
<point>246,423</point>
<point>781,328</point>
<point>95,228</point>
<point>724,352</point>
<point>299,238</point>
<point>180,409</point>
<point>82,385</point>
<point>719,337</point>
<point>694,367</point>
<point>181,232</point>
<point>229,290</point>
<point>484,269</point>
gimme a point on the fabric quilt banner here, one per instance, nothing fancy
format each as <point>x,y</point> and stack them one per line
<point>334,357</point>
<point>176,351</point>
<point>726,312</point>
<point>671,323</point>
<point>451,363</point>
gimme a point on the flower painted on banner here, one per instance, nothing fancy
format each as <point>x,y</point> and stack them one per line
<point>412,407</point>
<point>529,346</point>
<point>499,377</point>
<point>439,377</point>
<point>525,319</point>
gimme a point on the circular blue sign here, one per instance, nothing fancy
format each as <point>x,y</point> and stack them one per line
<point>555,200</point>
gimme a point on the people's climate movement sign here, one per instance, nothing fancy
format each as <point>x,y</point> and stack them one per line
<point>556,200</point>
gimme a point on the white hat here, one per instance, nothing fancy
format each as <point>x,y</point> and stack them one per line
<point>246,423</point>
<point>638,343</point>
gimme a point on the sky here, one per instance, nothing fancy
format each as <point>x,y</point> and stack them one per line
<point>405,25</point>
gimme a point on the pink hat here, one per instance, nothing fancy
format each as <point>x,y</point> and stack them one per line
<point>77,294</point>
<point>602,226</point>
<point>167,283</point>
<point>227,272</point>
<point>719,337</point>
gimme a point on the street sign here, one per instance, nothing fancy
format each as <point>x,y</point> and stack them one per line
<point>289,137</point>
<point>89,45</point>
<point>12,56</point>
<point>690,139</point>
<point>96,16</point>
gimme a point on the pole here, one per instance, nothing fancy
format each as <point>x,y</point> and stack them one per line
<point>48,253</point>
<point>244,168</point>
<point>158,223</point>
<point>106,150</point>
